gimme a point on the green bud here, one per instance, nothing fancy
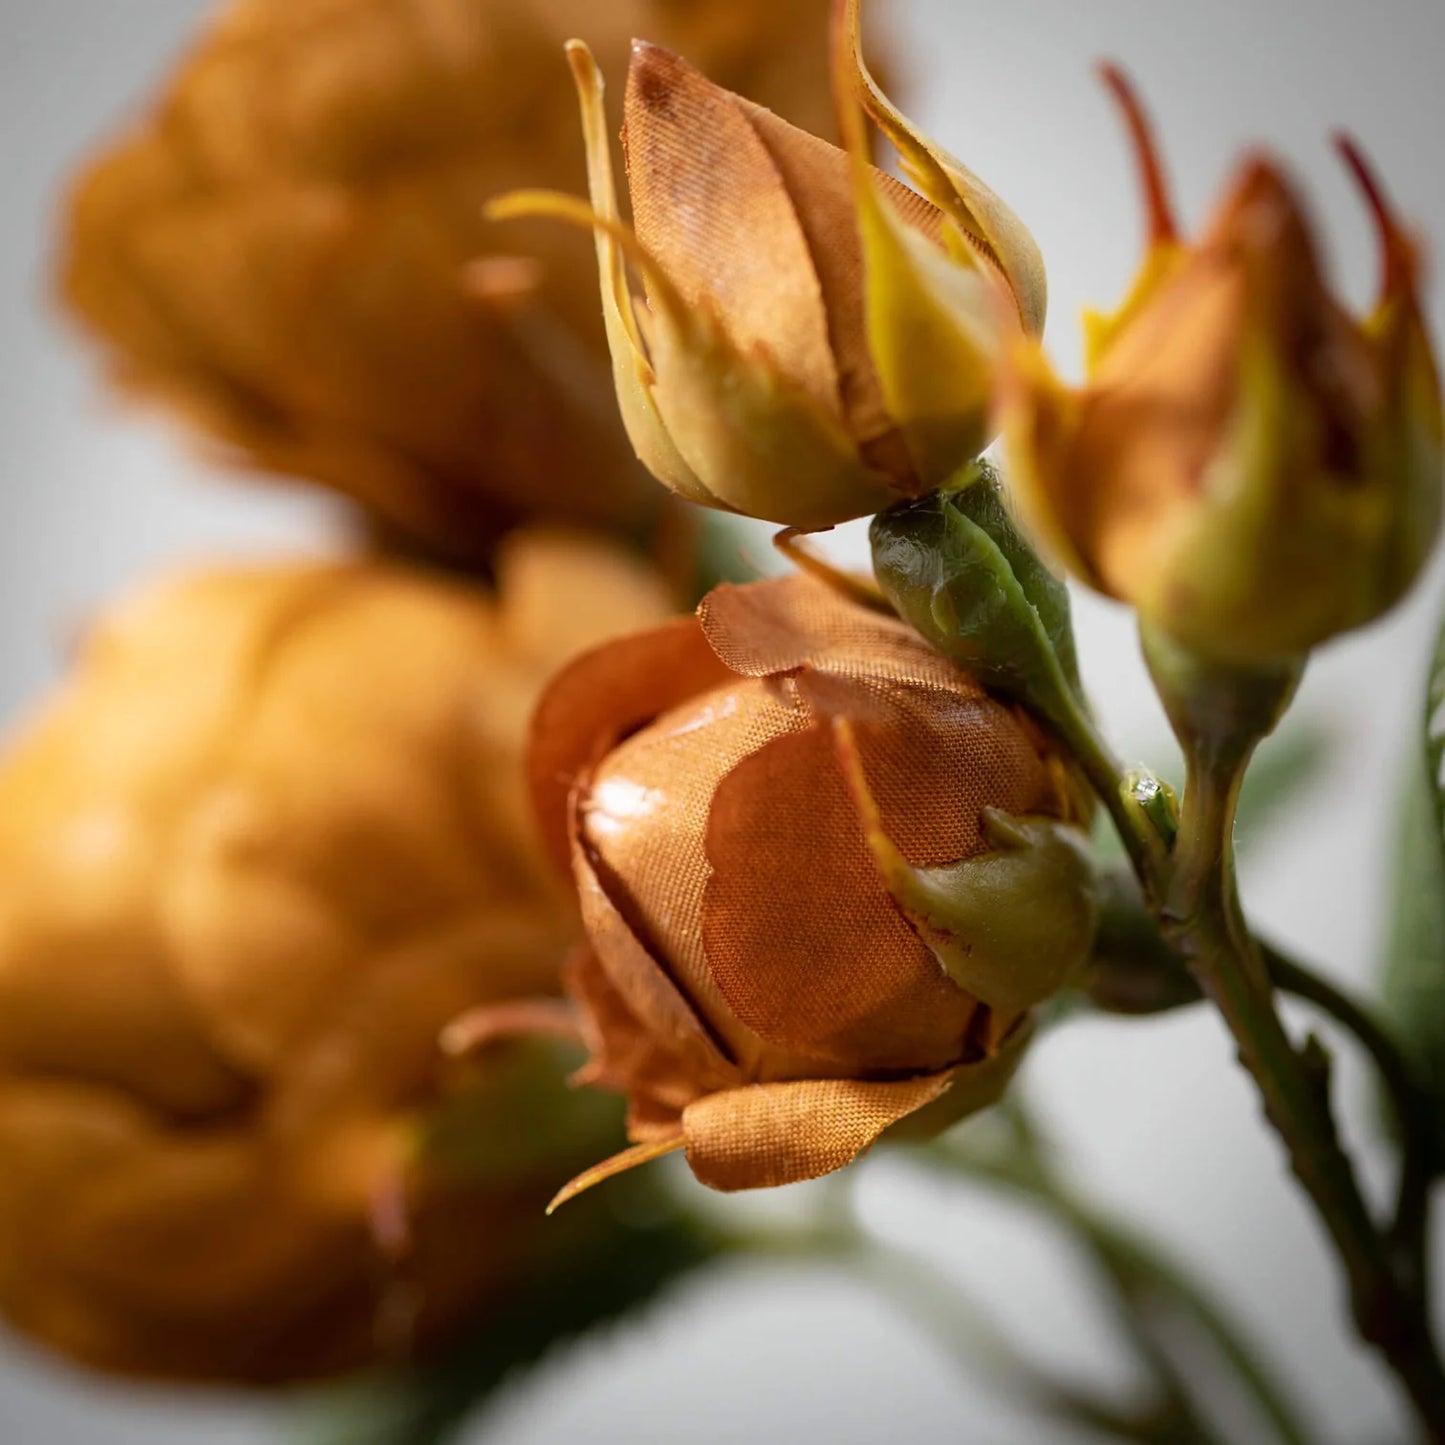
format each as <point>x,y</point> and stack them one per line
<point>957,568</point>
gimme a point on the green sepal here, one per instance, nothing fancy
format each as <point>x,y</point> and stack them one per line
<point>957,568</point>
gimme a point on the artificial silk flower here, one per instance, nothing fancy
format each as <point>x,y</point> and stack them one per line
<point>1249,466</point>
<point>824,877</point>
<point>289,250</point>
<point>816,340</point>
<point>260,847</point>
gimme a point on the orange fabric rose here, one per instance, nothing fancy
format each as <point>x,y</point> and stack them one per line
<point>267,840</point>
<point>750,983</point>
<point>816,340</point>
<point>281,248</point>
<point>1249,466</point>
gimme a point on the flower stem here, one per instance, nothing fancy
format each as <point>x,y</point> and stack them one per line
<point>1414,1113</point>
<point>1202,916</point>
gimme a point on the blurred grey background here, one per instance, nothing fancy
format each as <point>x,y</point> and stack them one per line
<point>1154,1116</point>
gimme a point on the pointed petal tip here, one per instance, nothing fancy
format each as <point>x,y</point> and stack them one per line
<point>1163,227</point>
<point>1398,253</point>
<point>617,1164</point>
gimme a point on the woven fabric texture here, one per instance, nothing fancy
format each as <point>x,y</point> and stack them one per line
<point>735,915</point>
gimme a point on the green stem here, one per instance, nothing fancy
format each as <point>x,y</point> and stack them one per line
<point>1141,842</point>
<point>1413,1109</point>
<point>1202,917</point>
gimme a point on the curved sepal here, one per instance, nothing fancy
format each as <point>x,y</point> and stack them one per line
<point>632,373</point>
<point>960,572</point>
<point>1010,927</point>
<point>932,318</point>
<point>983,223</point>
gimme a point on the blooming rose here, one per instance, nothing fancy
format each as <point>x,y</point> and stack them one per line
<point>255,853</point>
<point>289,247</point>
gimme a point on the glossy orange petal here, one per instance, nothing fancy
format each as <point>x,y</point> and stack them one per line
<point>781,624</point>
<point>600,698</point>
<point>802,936</point>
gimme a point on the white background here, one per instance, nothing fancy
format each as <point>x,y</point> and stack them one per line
<point>1153,1116</point>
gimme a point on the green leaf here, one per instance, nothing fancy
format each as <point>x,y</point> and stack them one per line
<point>957,568</point>
<point>614,1251</point>
<point>1414,979</point>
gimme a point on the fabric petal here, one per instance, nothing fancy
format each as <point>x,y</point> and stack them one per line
<point>604,695</point>
<point>779,625</point>
<point>710,205</point>
<point>771,1134</point>
<point>801,934</point>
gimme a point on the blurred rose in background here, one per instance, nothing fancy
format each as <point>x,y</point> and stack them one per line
<point>198,1122</point>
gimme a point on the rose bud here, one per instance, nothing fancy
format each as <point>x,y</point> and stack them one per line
<point>289,249</point>
<point>258,850</point>
<point>817,341</point>
<point>824,878</point>
<point>1249,466</point>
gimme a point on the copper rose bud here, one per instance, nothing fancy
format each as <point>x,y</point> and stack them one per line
<point>259,849</point>
<point>1248,465</point>
<point>824,878</point>
<point>817,341</point>
<point>288,248</point>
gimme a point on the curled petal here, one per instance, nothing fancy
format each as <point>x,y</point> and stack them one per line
<point>642,983</point>
<point>1398,260</point>
<point>1163,228</point>
<point>770,1134</point>
<point>603,695</point>
<point>1165,253</point>
<point>989,226</point>
<point>631,372</point>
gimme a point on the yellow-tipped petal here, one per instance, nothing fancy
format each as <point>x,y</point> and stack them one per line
<point>631,373</point>
<point>928,317</point>
<point>989,225</point>
<point>1039,419</point>
<point>1165,252</point>
<point>931,331</point>
<point>617,1164</point>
